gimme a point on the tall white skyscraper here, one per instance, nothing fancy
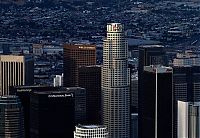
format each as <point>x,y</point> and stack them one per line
<point>188,119</point>
<point>115,83</point>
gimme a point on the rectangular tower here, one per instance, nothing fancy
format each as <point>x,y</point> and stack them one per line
<point>89,77</point>
<point>15,70</point>
<point>186,86</point>
<point>11,117</point>
<point>52,114</point>
<point>157,107</point>
<point>116,83</point>
<point>148,55</point>
<point>75,56</point>
<point>188,119</point>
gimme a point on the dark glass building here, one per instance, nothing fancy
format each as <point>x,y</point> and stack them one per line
<point>186,86</point>
<point>80,103</point>
<point>23,92</point>
<point>90,79</point>
<point>157,107</point>
<point>52,114</point>
<point>148,55</point>
<point>11,117</point>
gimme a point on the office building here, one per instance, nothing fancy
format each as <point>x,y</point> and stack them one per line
<point>51,114</point>
<point>186,58</point>
<point>188,119</point>
<point>15,70</point>
<point>116,83</point>
<point>157,107</point>
<point>151,55</point>
<point>11,117</point>
<point>58,80</point>
<point>90,131</point>
<point>134,92</point>
<point>75,56</point>
<point>134,125</point>
<point>89,77</point>
<point>186,86</point>
<point>23,92</point>
<point>148,55</point>
<point>80,103</point>
<point>38,49</point>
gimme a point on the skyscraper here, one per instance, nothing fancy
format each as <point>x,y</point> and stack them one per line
<point>188,119</point>
<point>80,103</point>
<point>148,55</point>
<point>134,93</point>
<point>75,56</point>
<point>51,114</point>
<point>11,117</point>
<point>151,55</point>
<point>90,131</point>
<point>15,70</point>
<point>157,107</point>
<point>186,86</point>
<point>89,77</point>
<point>116,83</point>
<point>23,92</point>
<point>134,125</point>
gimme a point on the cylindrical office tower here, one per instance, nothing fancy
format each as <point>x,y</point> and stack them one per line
<point>11,117</point>
<point>115,83</point>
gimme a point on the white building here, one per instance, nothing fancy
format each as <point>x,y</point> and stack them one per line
<point>58,80</point>
<point>116,83</point>
<point>90,131</point>
<point>188,119</point>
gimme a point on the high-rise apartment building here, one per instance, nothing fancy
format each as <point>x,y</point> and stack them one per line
<point>188,119</point>
<point>90,131</point>
<point>52,114</point>
<point>157,107</point>
<point>75,56</point>
<point>116,83</point>
<point>15,70</point>
<point>89,77</point>
<point>11,117</point>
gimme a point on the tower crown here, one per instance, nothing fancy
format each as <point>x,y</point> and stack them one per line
<point>114,27</point>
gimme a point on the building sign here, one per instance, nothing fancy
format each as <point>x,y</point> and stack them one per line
<point>114,27</point>
<point>60,95</point>
<point>24,90</point>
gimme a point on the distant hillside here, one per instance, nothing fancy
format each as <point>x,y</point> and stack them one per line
<point>18,2</point>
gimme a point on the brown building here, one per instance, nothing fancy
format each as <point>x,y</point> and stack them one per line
<point>89,77</point>
<point>15,70</point>
<point>76,56</point>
